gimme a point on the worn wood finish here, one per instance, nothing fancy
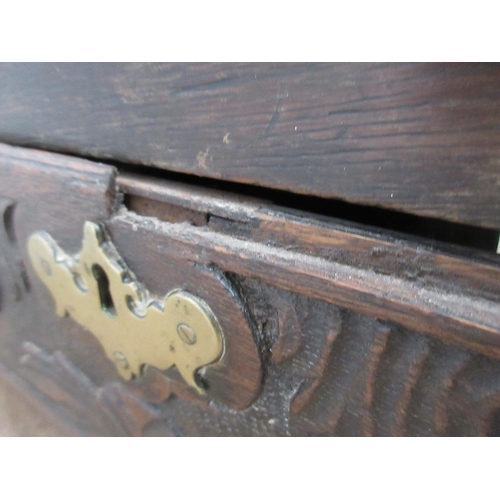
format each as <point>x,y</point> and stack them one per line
<point>344,346</point>
<point>330,372</point>
<point>21,415</point>
<point>414,260</point>
<point>94,195</point>
<point>421,138</point>
<point>453,298</point>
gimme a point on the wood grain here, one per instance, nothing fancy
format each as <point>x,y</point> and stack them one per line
<point>21,414</point>
<point>390,253</point>
<point>347,375</point>
<point>337,341</point>
<point>58,195</point>
<point>420,138</point>
<point>449,296</point>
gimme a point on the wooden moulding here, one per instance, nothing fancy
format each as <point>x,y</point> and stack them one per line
<point>209,236</point>
<point>437,293</point>
<point>331,328</point>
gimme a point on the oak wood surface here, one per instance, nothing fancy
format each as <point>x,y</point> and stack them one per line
<point>430,292</point>
<point>346,342</point>
<point>420,138</point>
<point>388,253</point>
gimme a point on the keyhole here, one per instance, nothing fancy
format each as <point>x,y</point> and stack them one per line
<point>107,304</point>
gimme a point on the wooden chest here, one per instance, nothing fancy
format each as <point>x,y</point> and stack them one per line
<point>256,250</point>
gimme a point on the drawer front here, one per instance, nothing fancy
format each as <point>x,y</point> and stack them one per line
<point>326,328</point>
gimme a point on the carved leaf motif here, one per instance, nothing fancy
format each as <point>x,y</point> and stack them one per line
<point>108,410</point>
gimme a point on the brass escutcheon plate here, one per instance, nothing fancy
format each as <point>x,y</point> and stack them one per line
<point>98,291</point>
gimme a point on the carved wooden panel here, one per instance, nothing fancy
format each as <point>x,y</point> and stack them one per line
<point>328,372</point>
<point>318,344</point>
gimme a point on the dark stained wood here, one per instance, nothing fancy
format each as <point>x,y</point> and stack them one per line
<point>62,193</point>
<point>454,298</point>
<point>112,409</point>
<point>421,138</point>
<point>348,375</point>
<point>23,414</point>
<point>392,254</point>
<point>59,190</point>
<point>322,337</point>
<point>43,185</point>
<point>14,283</point>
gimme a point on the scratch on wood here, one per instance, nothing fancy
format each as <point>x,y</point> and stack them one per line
<point>274,118</point>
